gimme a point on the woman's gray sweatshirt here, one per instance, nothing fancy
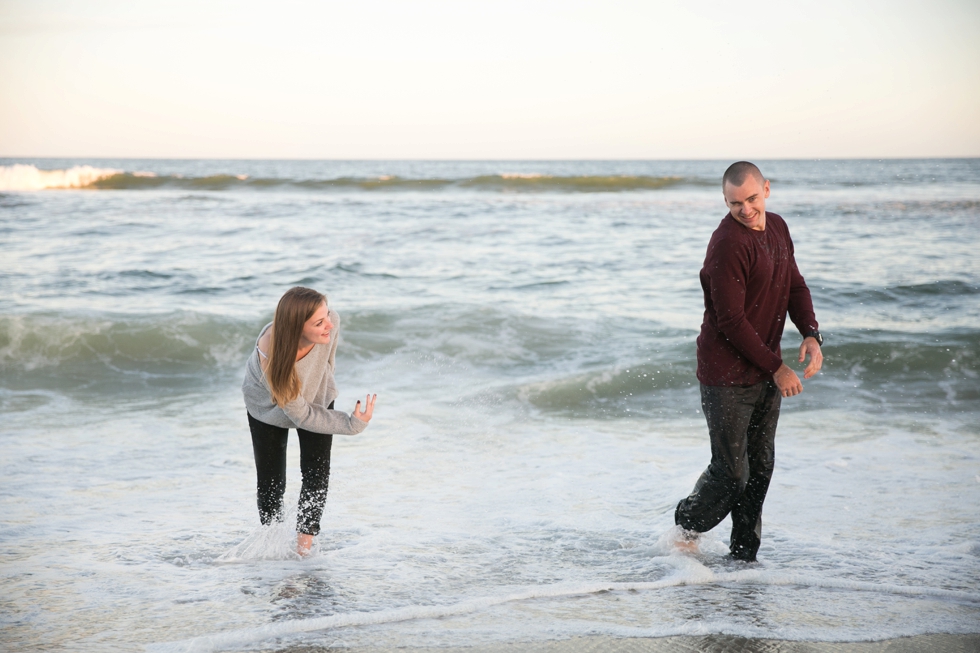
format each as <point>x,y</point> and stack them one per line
<point>308,410</point>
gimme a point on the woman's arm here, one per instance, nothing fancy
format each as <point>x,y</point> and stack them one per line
<point>319,419</point>
<point>323,420</point>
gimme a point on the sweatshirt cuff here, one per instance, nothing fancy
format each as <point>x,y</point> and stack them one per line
<point>774,364</point>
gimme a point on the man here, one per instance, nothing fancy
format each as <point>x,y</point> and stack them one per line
<point>750,282</point>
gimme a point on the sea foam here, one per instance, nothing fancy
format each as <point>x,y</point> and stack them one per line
<point>687,574</point>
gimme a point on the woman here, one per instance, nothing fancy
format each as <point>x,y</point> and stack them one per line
<point>289,384</point>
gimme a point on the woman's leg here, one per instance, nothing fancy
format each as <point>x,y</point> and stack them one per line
<point>315,464</point>
<point>269,447</point>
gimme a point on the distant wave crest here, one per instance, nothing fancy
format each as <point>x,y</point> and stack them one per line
<point>21,177</point>
<point>28,177</point>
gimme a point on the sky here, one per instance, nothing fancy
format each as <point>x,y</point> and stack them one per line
<point>402,79</point>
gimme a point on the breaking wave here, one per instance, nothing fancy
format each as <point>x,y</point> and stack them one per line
<point>28,177</point>
<point>616,391</point>
<point>550,367</point>
<point>113,352</point>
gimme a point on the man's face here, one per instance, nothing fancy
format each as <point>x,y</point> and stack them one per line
<point>748,202</point>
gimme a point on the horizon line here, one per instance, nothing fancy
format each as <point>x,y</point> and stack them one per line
<point>490,159</point>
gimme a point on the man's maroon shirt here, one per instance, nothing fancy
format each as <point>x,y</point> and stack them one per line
<point>750,282</point>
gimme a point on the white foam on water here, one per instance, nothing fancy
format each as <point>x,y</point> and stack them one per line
<point>273,542</point>
<point>276,541</point>
<point>28,177</point>
<point>688,574</point>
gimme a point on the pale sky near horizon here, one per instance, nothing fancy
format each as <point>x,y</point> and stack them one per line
<point>486,80</point>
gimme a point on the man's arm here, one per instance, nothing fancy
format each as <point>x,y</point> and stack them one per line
<point>802,315</point>
<point>800,302</point>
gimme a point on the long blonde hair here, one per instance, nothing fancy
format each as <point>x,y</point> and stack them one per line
<point>294,309</point>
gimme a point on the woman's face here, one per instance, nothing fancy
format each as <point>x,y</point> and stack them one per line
<point>316,330</point>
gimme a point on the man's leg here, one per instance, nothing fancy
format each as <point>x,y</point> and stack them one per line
<point>747,511</point>
<point>728,411</point>
<point>269,447</point>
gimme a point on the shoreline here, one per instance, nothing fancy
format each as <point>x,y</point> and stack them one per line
<point>936,643</point>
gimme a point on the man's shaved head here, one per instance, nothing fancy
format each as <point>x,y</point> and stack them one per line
<point>738,171</point>
<point>745,191</point>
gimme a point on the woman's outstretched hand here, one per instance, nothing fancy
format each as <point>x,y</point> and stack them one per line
<point>368,412</point>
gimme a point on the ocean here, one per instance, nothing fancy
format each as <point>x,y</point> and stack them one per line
<point>529,328</point>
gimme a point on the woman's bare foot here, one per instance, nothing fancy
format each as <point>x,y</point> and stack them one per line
<point>687,542</point>
<point>304,543</point>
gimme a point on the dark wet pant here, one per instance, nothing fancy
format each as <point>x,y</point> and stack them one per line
<point>269,446</point>
<point>742,427</point>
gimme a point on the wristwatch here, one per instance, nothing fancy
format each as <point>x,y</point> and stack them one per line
<point>816,336</point>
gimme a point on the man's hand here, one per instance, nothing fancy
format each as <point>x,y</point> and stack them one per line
<point>786,380</point>
<point>811,347</point>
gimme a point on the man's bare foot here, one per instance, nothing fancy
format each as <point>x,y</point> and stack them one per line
<point>304,543</point>
<point>687,542</point>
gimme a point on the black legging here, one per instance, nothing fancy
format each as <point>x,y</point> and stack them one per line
<point>269,446</point>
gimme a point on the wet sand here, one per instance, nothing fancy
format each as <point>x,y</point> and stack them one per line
<point>702,644</point>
